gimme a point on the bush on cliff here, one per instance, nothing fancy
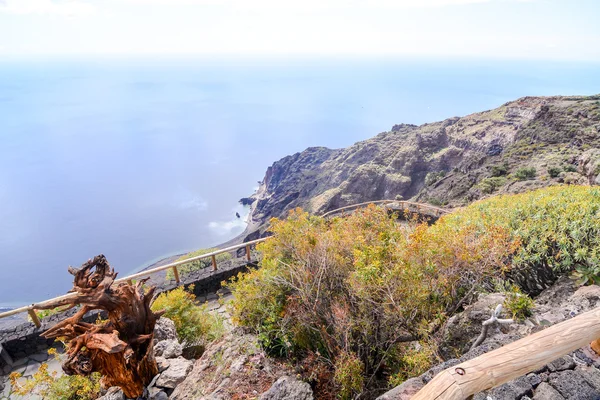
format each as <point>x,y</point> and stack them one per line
<point>353,290</point>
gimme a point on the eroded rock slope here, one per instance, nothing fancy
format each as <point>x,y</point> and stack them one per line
<point>448,163</point>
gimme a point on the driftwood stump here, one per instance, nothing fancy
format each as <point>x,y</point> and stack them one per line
<point>120,349</point>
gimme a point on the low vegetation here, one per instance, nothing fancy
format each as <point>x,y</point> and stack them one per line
<point>587,274</point>
<point>416,360</point>
<point>519,305</point>
<point>526,173</point>
<point>499,170</point>
<point>194,324</point>
<point>554,172</point>
<point>490,185</point>
<point>196,265</point>
<point>365,296</point>
<point>433,177</point>
<point>49,386</point>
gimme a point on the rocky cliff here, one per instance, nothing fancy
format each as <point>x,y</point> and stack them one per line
<point>524,144</point>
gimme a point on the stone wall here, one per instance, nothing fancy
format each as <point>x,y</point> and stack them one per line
<point>5,359</point>
<point>24,339</point>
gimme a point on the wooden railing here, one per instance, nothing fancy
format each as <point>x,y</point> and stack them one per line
<point>514,360</point>
<point>212,255</point>
<point>419,208</point>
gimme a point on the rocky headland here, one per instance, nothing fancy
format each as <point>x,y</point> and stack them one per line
<point>524,144</point>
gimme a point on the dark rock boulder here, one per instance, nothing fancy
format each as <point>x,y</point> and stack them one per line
<point>572,385</point>
<point>164,330</point>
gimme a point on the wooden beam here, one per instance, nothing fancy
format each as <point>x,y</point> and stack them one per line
<point>513,360</point>
<point>34,318</point>
<point>248,256</point>
<point>176,273</point>
<point>214,262</point>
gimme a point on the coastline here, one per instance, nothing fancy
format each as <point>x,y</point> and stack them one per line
<point>251,227</point>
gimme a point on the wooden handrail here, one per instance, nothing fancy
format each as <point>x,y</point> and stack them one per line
<point>418,206</point>
<point>141,274</point>
<point>513,360</point>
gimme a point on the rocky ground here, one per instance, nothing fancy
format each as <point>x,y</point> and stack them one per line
<point>575,376</point>
<point>236,368</point>
<point>233,367</point>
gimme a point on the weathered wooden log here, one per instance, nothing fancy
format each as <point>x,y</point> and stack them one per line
<point>513,360</point>
<point>121,348</point>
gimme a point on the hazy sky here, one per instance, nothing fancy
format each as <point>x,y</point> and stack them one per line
<point>532,29</point>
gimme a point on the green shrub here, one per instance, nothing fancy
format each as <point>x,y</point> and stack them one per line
<point>195,265</point>
<point>518,304</point>
<point>413,362</point>
<point>46,385</point>
<point>525,173</point>
<point>587,274</point>
<point>499,170</point>
<point>570,168</point>
<point>554,172</point>
<point>434,201</point>
<point>194,324</point>
<point>433,177</point>
<point>490,185</point>
<point>349,375</point>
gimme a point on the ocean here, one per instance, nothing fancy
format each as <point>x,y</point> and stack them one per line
<point>144,158</point>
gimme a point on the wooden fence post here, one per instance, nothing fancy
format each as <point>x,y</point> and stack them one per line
<point>176,273</point>
<point>214,262</point>
<point>248,252</point>
<point>34,318</point>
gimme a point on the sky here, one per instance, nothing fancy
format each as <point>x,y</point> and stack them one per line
<point>505,29</point>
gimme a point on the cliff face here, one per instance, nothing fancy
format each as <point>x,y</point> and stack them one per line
<point>524,144</point>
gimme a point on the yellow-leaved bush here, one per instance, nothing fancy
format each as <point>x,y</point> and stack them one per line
<point>194,324</point>
<point>48,385</point>
<point>354,289</point>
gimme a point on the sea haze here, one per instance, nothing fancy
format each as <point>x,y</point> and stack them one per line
<point>141,159</point>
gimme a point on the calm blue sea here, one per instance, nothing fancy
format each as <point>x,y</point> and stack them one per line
<point>141,159</point>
